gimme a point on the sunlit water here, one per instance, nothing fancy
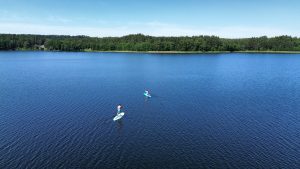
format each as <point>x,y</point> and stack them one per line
<point>207,110</point>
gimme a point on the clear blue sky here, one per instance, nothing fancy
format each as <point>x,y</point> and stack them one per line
<point>224,18</point>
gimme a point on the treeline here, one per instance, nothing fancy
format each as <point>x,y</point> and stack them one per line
<point>139,42</point>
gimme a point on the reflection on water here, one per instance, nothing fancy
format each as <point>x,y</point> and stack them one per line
<point>119,125</point>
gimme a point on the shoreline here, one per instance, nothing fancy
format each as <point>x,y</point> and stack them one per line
<point>170,52</point>
<point>194,52</point>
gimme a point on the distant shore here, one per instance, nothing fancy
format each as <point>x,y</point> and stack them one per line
<point>199,52</point>
<point>139,43</point>
<point>169,52</point>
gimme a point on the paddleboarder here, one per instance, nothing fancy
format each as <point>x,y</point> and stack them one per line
<point>119,107</point>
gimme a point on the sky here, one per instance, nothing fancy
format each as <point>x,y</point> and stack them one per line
<point>102,18</point>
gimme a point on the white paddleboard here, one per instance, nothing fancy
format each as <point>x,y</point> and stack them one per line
<point>147,95</point>
<point>119,116</point>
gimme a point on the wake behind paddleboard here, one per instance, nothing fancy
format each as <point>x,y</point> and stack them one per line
<point>119,116</point>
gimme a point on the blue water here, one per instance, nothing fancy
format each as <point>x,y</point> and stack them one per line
<point>206,110</point>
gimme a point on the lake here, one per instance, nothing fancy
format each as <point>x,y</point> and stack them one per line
<point>206,110</point>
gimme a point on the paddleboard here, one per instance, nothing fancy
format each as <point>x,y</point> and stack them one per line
<point>147,95</point>
<point>119,116</point>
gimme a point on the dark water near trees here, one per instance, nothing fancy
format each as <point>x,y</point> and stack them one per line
<point>207,111</point>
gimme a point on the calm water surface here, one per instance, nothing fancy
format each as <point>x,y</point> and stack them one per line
<point>207,111</point>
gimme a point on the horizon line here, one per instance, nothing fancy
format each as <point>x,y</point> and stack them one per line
<point>158,36</point>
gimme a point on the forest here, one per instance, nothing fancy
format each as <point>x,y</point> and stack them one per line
<point>140,42</point>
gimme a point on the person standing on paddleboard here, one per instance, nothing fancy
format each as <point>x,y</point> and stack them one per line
<point>119,107</point>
